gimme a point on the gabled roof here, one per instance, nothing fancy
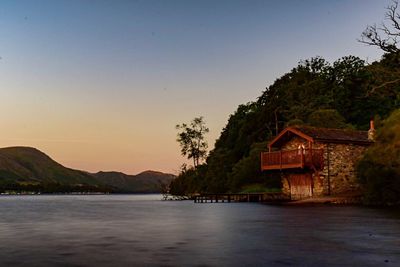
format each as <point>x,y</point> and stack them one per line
<point>324,135</point>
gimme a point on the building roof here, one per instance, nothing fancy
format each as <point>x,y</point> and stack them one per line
<point>324,135</point>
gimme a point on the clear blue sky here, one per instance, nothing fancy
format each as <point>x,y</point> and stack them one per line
<point>100,85</point>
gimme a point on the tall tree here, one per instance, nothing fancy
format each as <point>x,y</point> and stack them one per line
<point>192,141</point>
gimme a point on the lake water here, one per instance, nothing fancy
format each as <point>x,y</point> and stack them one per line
<point>141,230</point>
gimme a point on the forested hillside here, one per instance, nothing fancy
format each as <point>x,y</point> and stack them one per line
<point>344,94</point>
<point>26,169</point>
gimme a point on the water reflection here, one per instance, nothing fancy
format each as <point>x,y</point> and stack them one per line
<point>118,230</point>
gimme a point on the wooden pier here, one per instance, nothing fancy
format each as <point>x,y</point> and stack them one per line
<point>241,197</point>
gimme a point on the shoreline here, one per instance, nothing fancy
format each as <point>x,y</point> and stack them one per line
<point>328,200</point>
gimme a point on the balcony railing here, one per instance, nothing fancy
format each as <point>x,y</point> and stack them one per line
<point>287,159</point>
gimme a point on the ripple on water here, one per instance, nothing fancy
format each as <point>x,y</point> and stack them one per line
<point>118,230</point>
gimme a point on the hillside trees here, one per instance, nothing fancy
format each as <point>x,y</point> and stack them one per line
<point>247,171</point>
<point>327,118</point>
<point>189,181</point>
<point>313,93</point>
<point>345,94</point>
<point>379,169</point>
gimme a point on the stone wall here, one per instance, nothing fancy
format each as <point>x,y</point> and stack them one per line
<point>339,173</point>
<point>338,176</point>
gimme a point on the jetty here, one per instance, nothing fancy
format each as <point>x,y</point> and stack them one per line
<point>241,197</point>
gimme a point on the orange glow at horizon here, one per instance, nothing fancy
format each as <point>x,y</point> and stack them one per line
<point>101,86</point>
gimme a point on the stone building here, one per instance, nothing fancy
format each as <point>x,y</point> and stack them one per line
<point>317,161</point>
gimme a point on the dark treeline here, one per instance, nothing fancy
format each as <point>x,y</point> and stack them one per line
<point>344,94</point>
<point>379,169</point>
<point>55,188</point>
<point>45,188</point>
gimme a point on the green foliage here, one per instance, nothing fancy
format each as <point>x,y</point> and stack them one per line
<point>248,171</point>
<point>259,188</point>
<point>189,181</point>
<point>191,140</point>
<point>294,122</point>
<point>327,118</point>
<point>379,169</point>
<point>345,94</point>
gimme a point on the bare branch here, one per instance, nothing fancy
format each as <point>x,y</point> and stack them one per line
<point>372,91</point>
<point>392,15</point>
<point>373,35</point>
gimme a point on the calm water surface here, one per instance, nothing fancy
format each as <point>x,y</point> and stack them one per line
<point>132,230</point>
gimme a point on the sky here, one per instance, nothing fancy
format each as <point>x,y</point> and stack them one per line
<point>100,85</point>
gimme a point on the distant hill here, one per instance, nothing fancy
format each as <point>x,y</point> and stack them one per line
<point>27,164</point>
<point>26,168</point>
<point>148,181</point>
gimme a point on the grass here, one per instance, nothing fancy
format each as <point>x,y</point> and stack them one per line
<point>259,188</point>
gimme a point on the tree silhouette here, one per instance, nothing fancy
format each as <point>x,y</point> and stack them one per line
<point>191,139</point>
<point>386,36</point>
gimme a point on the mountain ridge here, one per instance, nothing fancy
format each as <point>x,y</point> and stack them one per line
<point>28,168</point>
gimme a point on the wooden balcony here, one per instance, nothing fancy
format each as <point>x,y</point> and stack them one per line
<point>290,159</point>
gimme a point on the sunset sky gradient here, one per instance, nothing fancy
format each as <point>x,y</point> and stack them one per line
<point>100,85</point>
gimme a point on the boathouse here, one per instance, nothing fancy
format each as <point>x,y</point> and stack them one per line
<point>317,161</point>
